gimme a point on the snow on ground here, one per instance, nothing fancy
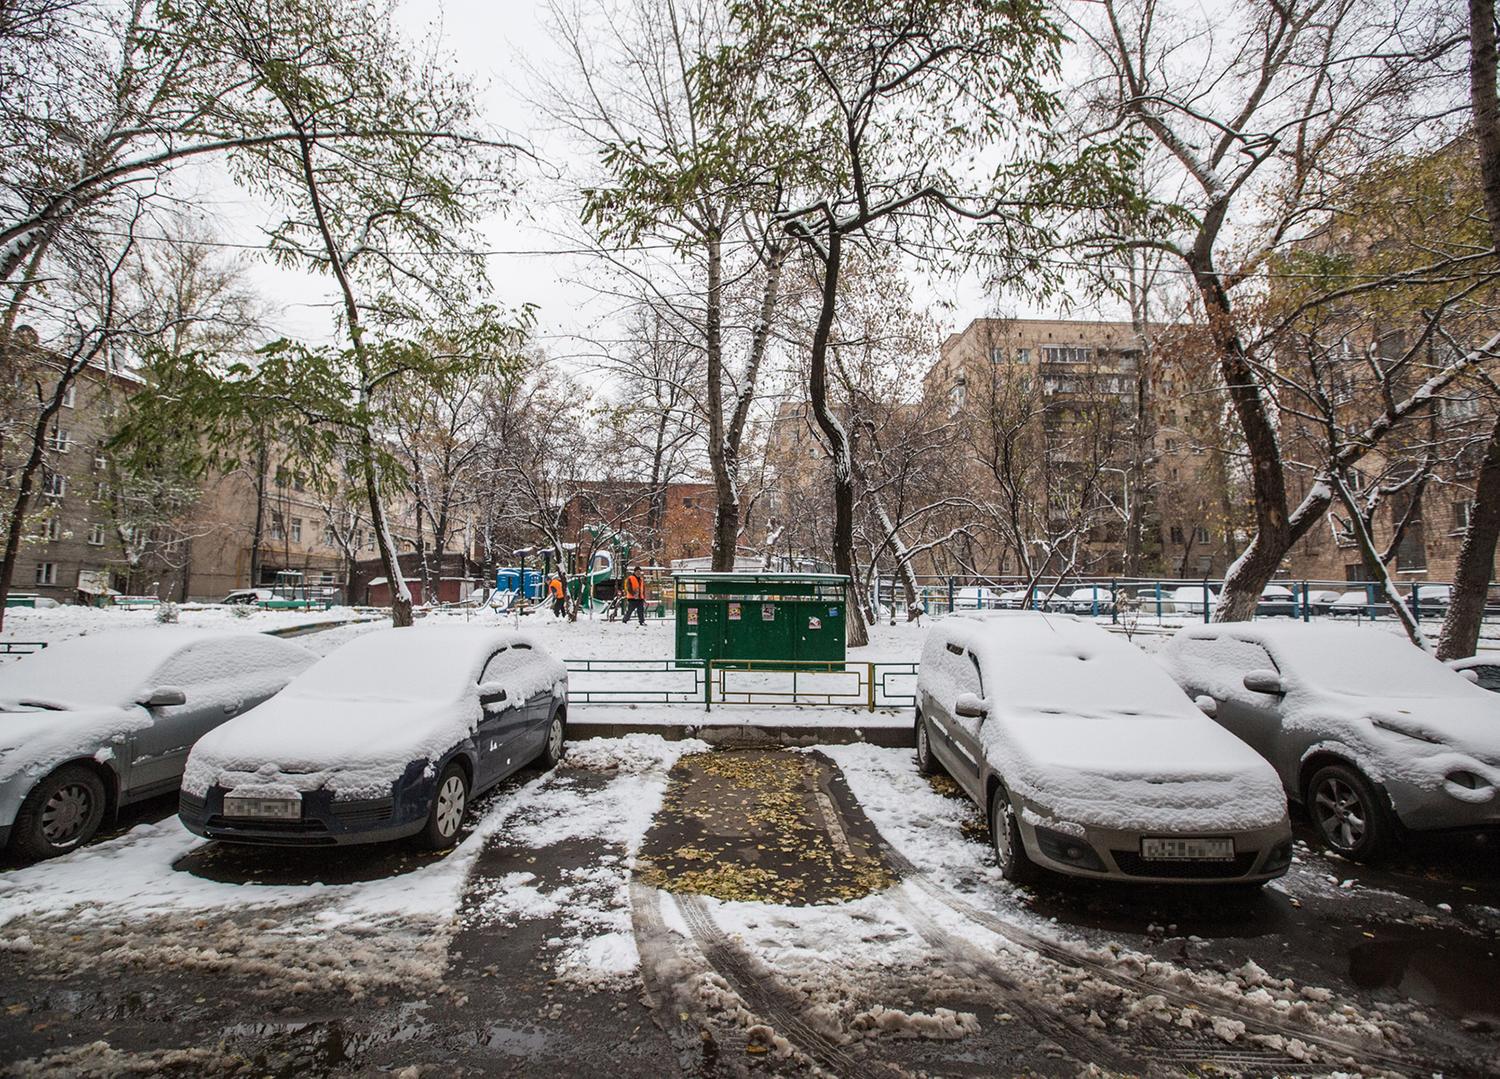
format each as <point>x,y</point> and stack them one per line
<point>130,901</point>
<point>60,623</point>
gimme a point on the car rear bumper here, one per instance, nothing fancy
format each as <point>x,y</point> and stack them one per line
<point>324,821</point>
<point>1260,855</point>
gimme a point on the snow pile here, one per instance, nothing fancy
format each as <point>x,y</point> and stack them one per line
<point>1401,714</point>
<point>355,721</point>
<point>67,621</point>
<point>1093,732</point>
<point>942,1023</point>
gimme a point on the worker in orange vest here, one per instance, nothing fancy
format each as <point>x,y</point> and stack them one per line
<point>635,596</point>
<point>559,596</point>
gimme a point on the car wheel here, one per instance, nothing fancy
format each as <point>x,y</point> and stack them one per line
<point>62,812</point>
<point>449,804</point>
<point>927,763</point>
<point>557,740</point>
<point>1016,865</point>
<point>1351,817</point>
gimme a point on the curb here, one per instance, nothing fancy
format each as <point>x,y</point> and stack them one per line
<point>750,734</point>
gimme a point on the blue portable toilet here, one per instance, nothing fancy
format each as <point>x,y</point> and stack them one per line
<point>508,579</point>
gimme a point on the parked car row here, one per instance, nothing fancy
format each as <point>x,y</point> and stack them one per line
<point>1090,758</point>
<point>391,735</point>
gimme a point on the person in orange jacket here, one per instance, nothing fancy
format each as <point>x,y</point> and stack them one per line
<point>635,596</point>
<point>559,596</point>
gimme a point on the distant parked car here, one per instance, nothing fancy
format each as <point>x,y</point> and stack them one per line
<point>391,735</point>
<point>1088,760</point>
<point>1319,600</point>
<point>1092,599</point>
<point>1014,600</point>
<point>974,597</point>
<point>98,722</point>
<point>1190,598</point>
<point>1368,732</point>
<point>1357,603</point>
<point>249,596</point>
<point>1429,600</point>
<point>1483,671</point>
<point>1277,600</point>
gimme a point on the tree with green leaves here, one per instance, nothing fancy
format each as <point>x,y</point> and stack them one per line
<point>387,215</point>
<point>905,122</point>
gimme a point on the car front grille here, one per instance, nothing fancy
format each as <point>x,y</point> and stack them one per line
<point>1131,863</point>
<point>357,814</point>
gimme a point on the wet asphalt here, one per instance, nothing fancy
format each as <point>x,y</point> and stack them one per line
<point>1377,935</point>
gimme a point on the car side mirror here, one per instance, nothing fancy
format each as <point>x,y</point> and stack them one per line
<point>1471,675</point>
<point>491,693</point>
<point>1207,705</point>
<point>971,706</point>
<point>162,697</point>
<point>1263,682</point>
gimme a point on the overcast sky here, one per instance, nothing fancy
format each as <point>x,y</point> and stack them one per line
<point>492,41</point>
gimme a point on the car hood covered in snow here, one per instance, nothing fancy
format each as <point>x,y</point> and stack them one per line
<point>34,741</point>
<point>355,721</point>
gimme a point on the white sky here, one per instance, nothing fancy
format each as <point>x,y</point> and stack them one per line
<point>491,41</point>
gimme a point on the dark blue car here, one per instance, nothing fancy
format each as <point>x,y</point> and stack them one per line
<point>391,736</point>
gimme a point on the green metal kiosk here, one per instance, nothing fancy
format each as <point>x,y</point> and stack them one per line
<point>760,616</point>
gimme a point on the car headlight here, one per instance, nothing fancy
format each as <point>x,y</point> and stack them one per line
<point>1070,850</point>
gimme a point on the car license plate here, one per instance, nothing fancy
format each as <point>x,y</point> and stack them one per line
<point>264,808</point>
<point>1186,850</point>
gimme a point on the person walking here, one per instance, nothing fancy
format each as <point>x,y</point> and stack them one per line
<point>635,596</point>
<point>559,596</point>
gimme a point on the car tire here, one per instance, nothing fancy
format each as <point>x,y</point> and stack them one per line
<point>1015,864</point>
<point>556,745</point>
<point>1351,817</point>
<point>61,813</point>
<point>450,801</point>
<point>927,762</point>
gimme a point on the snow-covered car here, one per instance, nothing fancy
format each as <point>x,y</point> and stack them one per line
<point>1091,599</point>
<point>389,736</point>
<point>1429,600</point>
<point>1277,600</point>
<point>1483,671</point>
<point>1358,602</point>
<point>1367,731</point>
<point>95,723</point>
<point>1190,599</point>
<point>974,597</point>
<point>1319,600</point>
<point>1087,758</point>
<point>1014,599</point>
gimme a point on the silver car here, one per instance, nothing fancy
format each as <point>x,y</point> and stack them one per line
<point>1088,760</point>
<point>1368,732</point>
<point>98,722</point>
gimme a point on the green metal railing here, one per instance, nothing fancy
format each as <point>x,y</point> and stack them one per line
<point>21,648</point>
<point>800,683</point>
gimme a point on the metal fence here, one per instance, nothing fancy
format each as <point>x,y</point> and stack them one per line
<point>803,683</point>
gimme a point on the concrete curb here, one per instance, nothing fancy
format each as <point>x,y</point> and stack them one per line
<point>313,627</point>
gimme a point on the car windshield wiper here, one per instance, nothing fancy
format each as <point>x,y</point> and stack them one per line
<point>50,706</point>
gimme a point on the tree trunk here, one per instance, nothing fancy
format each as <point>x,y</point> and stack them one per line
<point>389,561</point>
<point>1476,558</point>
<point>838,443</point>
<point>1377,568</point>
<point>1260,560</point>
<point>726,498</point>
<point>21,506</point>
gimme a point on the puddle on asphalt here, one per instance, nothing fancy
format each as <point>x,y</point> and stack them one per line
<point>1444,968</point>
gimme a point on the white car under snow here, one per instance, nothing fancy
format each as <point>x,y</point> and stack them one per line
<point>1087,758</point>
<point>1365,729</point>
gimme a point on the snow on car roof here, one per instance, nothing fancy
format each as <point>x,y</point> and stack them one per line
<point>415,663</point>
<point>1062,664</point>
<point>1350,659</point>
<point>100,668</point>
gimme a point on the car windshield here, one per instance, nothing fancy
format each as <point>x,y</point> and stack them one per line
<point>392,665</point>
<point>1381,665</point>
<point>76,674</point>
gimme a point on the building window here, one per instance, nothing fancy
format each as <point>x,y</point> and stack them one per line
<point>101,491</point>
<point>326,577</point>
<point>1459,408</point>
<point>1200,534</point>
<point>278,525</point>
<point>370,541</point>
<point>70,396</point>
<point>1023,355</point>
<point>997,355</point>
<point>46,573</point>
<point>52,530</point>
<point>330,538</point>
<point>1171,445</point>
<point>282,476</point>
<point>59,440</point>
<point>96,535</point>
<point>1066,354</point>
<point>1463,513</point>
<point>1177,535</point>
<point>1412,554</point>
<point>1173,474</point>
<point>1343,530</point>
<point>55,484</point>
<point>299,482</point>
<point>296,529</point>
